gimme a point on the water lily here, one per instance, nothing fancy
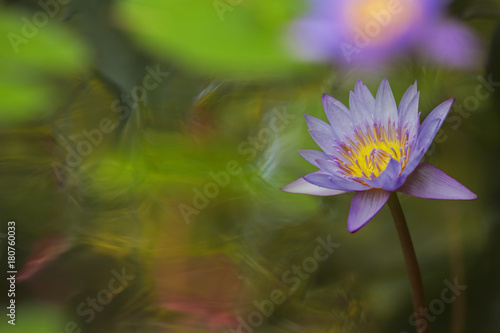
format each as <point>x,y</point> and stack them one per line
<point>369,32</point>
<point>373,149</point>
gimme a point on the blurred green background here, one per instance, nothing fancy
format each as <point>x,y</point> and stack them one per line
<point>142,147</point>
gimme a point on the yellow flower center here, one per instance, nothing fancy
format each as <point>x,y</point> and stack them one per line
<point>382,20</point>
<point>370,152</point>
<point>364,10</point>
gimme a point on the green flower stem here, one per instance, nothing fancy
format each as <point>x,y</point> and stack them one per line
<point>417,290</point>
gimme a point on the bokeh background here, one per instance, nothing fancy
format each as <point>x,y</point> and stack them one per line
<point>142,147</point>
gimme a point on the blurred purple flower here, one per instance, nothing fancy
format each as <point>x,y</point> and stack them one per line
<point>369,32</point>
<point>373,149</point>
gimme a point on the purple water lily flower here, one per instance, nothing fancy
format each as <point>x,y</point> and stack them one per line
<point>369,32</point>
<point>375,148</point>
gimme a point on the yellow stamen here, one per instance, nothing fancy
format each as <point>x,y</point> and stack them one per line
<point>382,20</point>
<point>370,152</point>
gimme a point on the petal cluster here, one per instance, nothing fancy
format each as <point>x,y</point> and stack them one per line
<point>373,148</point>
<point>369,32</point>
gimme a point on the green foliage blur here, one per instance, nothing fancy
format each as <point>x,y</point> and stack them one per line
<point>142,147</point>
